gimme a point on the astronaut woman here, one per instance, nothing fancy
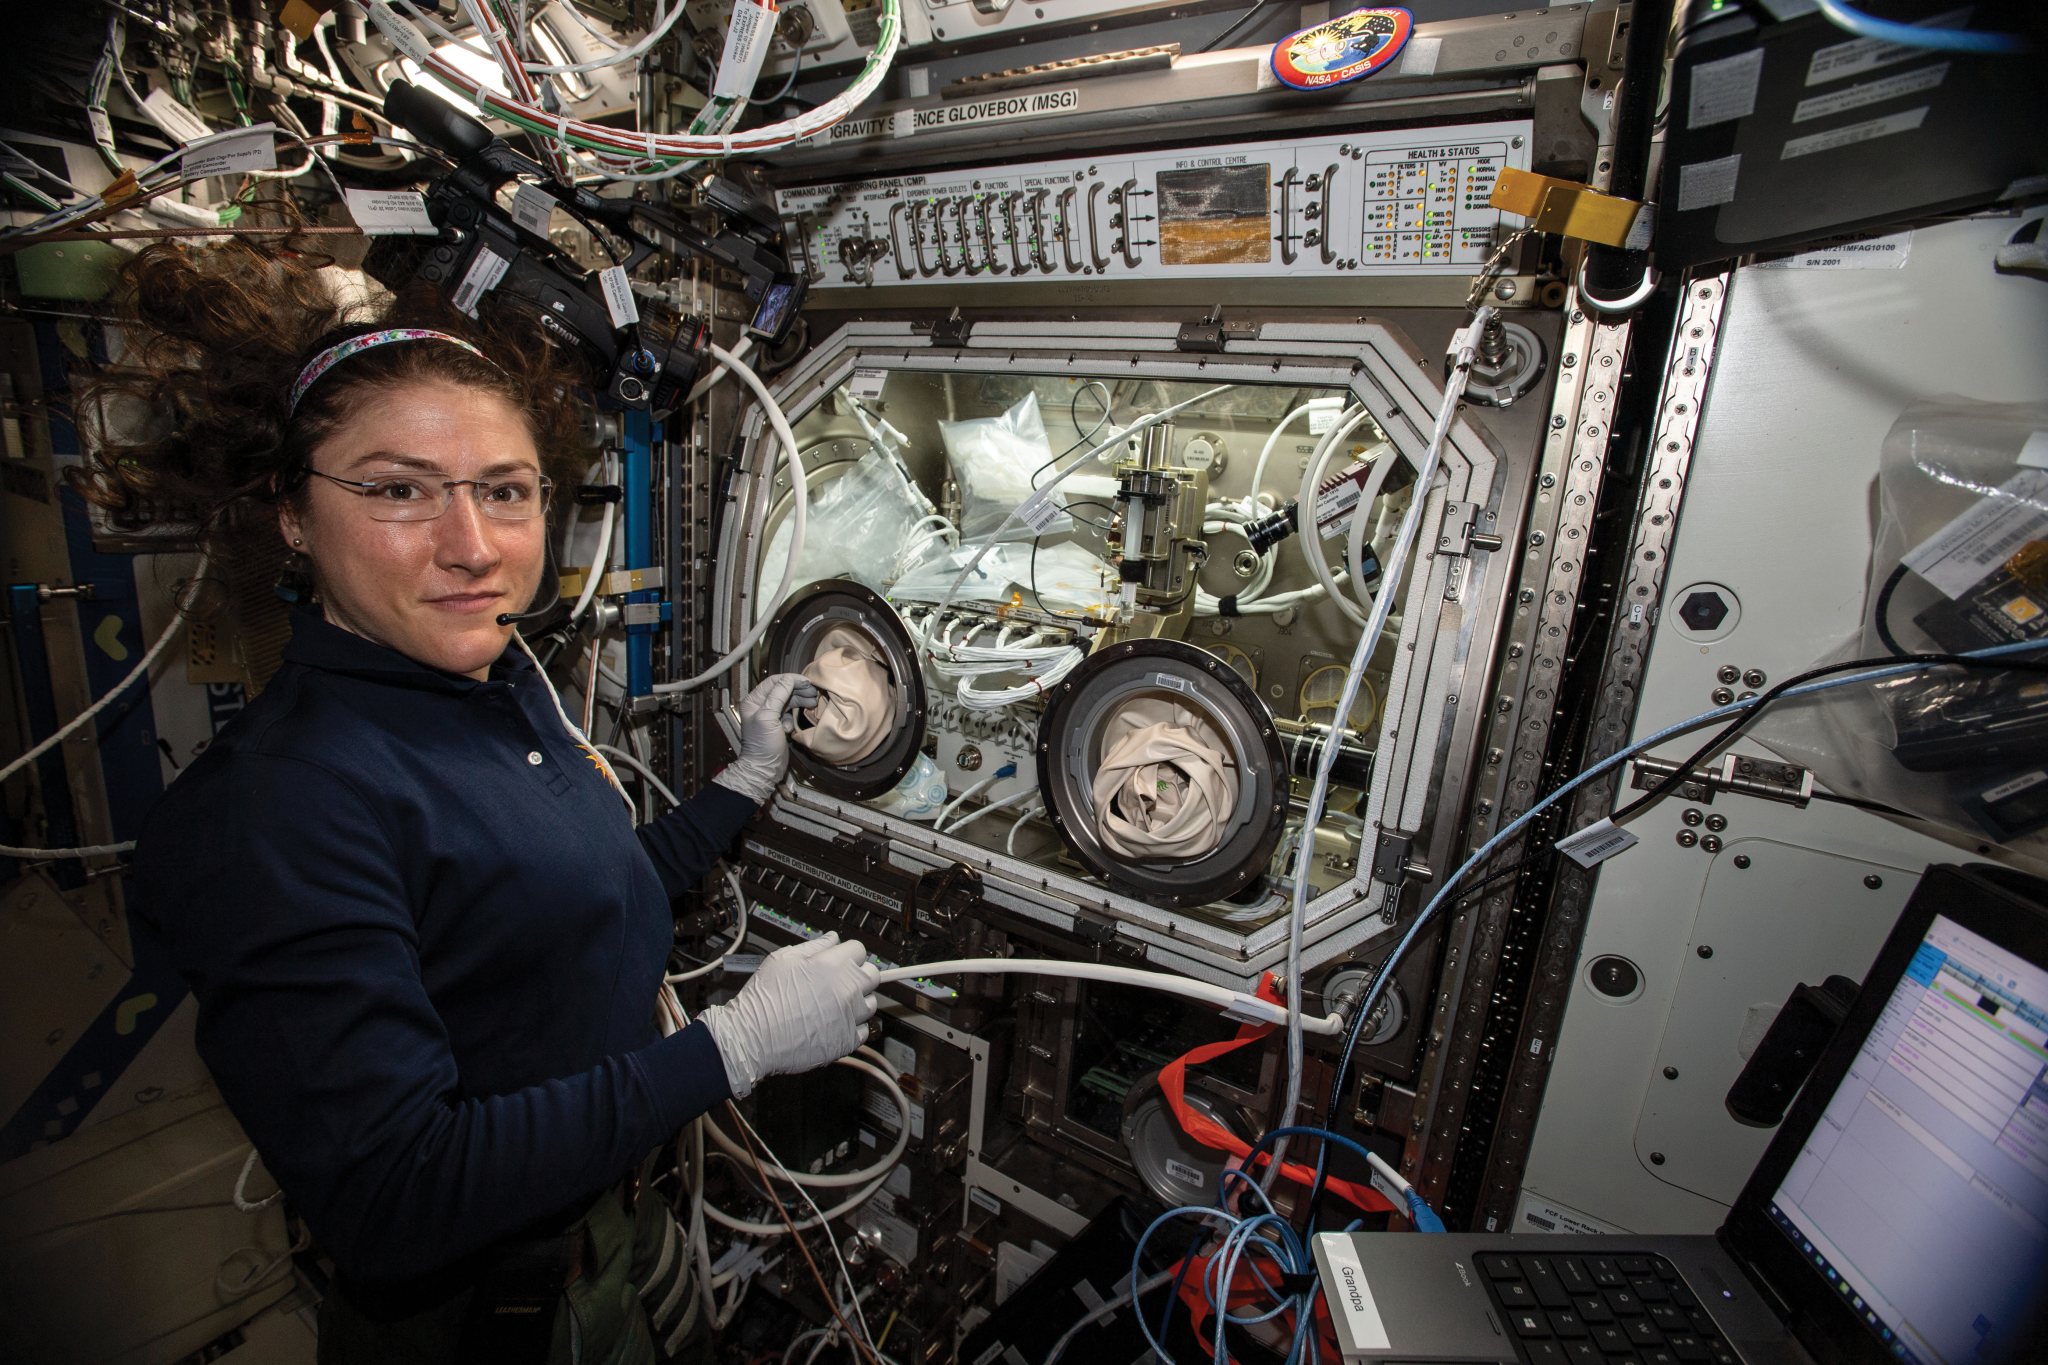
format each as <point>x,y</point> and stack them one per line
<point>424,937</point>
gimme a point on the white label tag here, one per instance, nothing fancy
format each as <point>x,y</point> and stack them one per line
<point>1389,1190</point>
<point>1186,1174</point>
<point>533,210</point>
<point>900,1055</point>
<point>1870,92</point>
<point>1725,89</point>
<point>1641,232</point>
<point>174,118</point>
<point>1704,184</point>
<point>867,385</point>
<point>2016,786</point>
<point>1596,843</point>
<point>744,962</point>
<point>984,1199</point>
<point>618,296</point>
<point>485,270</point>
<point>746,45</point>
<point>388,212</point>
<point>1177,684</point>
<point>253,149</point>
<point>1868,54</point>
<point>1350,1296</point>
<point>1321,420</point>
<point>102,126</point>
<point>1905,121</point>
<point>902,123</point>
<point>1849,252</point>
<point>1959,556</point>
<point>2034,454</point>
<point>1038,511</point>
<point>881,1226</point>
<point>1333,505</point>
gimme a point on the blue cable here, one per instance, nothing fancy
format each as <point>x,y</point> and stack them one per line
<point>1491,846</point>
<point>1853,20</point>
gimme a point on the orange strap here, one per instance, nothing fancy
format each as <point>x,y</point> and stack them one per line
<point>1173,1082</point>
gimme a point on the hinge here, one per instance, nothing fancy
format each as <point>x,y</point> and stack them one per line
<point>1391,862</point>
<point>951,331</point>
<point>1211,334</point>
<point>1765,777</point>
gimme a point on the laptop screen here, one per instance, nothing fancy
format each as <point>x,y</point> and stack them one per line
<point>1922,1193</point>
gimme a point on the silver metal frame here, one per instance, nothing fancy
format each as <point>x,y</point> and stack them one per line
<point>1443,652</point>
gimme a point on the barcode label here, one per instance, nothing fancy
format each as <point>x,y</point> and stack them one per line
<point>743,962</point>
<point>866,385</point>
<point>1334,503</point>
<point>485,270</point>
<point>1596,843</point>
<point>1177,684</point>
<point>1961,554</point>
<point>1038,511</point>
<point>533,210</point>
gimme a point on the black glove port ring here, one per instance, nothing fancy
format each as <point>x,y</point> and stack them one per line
<point>793,642</point>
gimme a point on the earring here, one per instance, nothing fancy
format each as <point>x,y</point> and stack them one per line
<point>296,541</point>
<point>295,580</point>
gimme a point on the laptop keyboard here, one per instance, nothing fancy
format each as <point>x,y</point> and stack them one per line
<point>1602,1310</point>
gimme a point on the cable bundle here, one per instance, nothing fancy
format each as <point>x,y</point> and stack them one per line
<point>963,661</point>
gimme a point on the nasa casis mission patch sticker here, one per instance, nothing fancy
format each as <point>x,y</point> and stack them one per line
<point>1342,49</point>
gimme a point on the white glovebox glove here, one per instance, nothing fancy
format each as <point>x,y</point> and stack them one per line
<point>767,715</point>
<point>807,1006</point>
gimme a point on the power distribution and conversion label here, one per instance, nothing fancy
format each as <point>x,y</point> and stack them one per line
<point>253,149</point>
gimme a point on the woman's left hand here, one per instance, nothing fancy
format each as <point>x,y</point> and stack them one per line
<point>767,716</point>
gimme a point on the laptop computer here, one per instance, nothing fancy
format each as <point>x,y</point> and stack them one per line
<point>1900,1213</point>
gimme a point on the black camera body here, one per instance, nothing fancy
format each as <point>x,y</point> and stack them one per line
<point>480,248</point>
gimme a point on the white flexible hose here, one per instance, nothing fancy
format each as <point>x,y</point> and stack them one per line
<point>1251,497</point>
<point>85,717</point>
<point>1307,532</point>
<point>600,565</point>
<point>1012,799</point>
<point>641,768</point>
<point>632,811</point>
<point>1464,344</point>
<point>841,1179</point>
<point>764,613</point>
<point>1239,1004</point>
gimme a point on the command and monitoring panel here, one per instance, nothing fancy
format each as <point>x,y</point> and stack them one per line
<point>1408,201</point>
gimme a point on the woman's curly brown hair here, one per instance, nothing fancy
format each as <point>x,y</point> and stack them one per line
<point>196,417</point>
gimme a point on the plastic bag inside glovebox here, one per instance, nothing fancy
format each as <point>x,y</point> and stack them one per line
<point>998,462</point>
<point>860,524</point>
<point>1960,563</point>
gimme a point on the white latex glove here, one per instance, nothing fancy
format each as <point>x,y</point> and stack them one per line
<point>767,715</point>
<point>807,1006</point>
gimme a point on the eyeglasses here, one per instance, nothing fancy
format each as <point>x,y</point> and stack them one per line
<point>423,497</point>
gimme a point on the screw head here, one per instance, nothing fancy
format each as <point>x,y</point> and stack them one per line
<point>1670,1073</point>
<point>1717,823</point>
<point>1704,950</point>
<point>1656,1158</point>
<point>1753,678</point>
<point>1721,696</point>
<point>1727,673</point>
<point>1741,860</point>
<point>1686,838</point>
<point>1873,881</point>
<point>1693,815</point>
<point>1711,842</point>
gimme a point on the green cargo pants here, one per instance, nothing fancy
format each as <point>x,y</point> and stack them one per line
<point>634,1302</point>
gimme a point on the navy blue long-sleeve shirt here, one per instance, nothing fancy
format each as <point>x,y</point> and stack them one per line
<point>426,944</point>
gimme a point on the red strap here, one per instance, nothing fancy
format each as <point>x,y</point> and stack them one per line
<point>1173,1082</point>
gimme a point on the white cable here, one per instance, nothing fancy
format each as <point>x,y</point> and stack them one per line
<point>842,1179</point>
<point>1464,345</point>
<point>1240,1004</point>
<point>765,613</point>
<point>946,811</point>
<point>600,566</point>
<point>1356,540</point>
<point>1010,844</point>
<point>739,936</point>
<point>710,381</point>
<point>641,768</point>
<point>1012,799</point>
<point>570,725</point>
<point>242,1202</point>
<point>854,1201</point>
<point>1334,402</point>
<point>1308,533</point>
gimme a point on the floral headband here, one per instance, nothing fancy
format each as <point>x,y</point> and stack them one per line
<point>334,355</point>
